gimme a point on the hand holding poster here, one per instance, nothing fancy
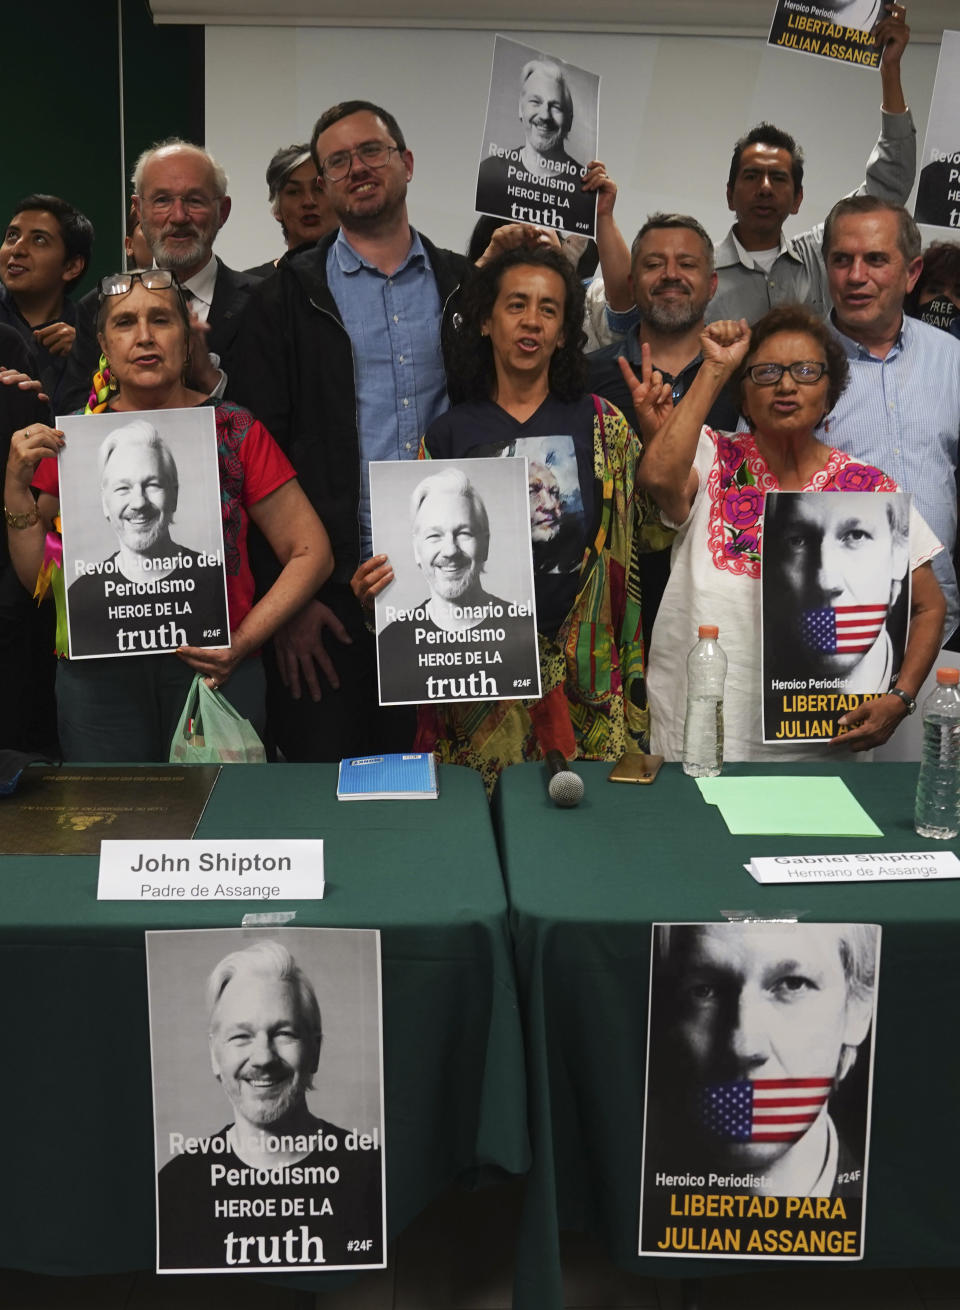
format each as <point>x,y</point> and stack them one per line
<point>759,1071</point>
<point>538,179</point>
<point>835,596</point>
<point>128,483</point>
<point>459,530</point>
<point>289,1018</point>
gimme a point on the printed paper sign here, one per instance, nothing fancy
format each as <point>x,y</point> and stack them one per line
<point>143,552</point>
<point>835,586</point>
<point>540,133</point>
<point>938,191</point>
<point>265,870</point>
<point>268,1099</point>
<point>876,866</point>
<point>830,29</point>
<point>759,1072</point>
<point>458,622</point>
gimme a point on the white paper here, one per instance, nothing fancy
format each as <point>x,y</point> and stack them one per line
<point>264,870</point>
<point>879,866</point>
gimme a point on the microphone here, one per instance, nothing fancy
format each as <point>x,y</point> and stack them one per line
<point>565,787</point>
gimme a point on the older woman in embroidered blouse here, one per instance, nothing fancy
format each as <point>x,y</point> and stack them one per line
<point>711,487</point>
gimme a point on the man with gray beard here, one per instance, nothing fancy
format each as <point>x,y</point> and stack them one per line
<point>180,197</point>
<point>673,279</point>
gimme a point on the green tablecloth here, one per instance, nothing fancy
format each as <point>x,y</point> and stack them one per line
<point>78,1168</point>
<point>584,886</point>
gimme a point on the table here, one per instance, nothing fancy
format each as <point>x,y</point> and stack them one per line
<point>78,1167</point>
<point>584,886</point>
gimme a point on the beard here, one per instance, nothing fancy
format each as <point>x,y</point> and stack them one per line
<point>673,316</point>
<point>179,256</point>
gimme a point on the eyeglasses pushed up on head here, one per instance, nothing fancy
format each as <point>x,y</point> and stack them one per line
<point>152,279</point>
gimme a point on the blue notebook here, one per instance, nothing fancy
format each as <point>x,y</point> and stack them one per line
<point>388,778</point>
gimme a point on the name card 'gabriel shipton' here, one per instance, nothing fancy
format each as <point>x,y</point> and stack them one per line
<point>143,547</point>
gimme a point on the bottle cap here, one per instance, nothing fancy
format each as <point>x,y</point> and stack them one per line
<point>948,677</point>
<point>708,630</point>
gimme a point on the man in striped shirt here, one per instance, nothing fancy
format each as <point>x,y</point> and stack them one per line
<point>901,410</point>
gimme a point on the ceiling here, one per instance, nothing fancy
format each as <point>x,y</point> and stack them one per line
<point>927,18</point>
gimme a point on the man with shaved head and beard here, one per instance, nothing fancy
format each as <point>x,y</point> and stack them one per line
<point>673,281</point>
<point>221,1207</point>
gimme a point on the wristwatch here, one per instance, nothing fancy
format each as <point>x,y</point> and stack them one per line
<point>21,520</point>
<point>907,699</point>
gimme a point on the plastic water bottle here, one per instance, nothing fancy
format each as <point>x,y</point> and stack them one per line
<point>937,812</point>
<point>703,726</point>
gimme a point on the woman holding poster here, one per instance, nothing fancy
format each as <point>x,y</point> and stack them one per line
<point>127,709</point>
<point>790,372</point>
<point>518,358</point>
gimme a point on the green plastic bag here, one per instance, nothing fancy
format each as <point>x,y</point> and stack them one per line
<point>211,731</point>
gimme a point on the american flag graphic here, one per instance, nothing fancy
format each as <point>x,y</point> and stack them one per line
<point>843,629</point>
<point>764,1109</point>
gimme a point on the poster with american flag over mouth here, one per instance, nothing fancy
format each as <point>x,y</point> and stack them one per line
<point>758,1090</point>
<point>835,605</point>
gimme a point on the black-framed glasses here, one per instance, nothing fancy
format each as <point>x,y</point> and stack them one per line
<point>374,154</point>
<point>153,279</point>
<point>801,370</point>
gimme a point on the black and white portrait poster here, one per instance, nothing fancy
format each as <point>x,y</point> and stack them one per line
<point>938,191</point>
<point>830,29</point>
<point>539,136</point>
<point>143,555</point>
<point>267,1057</point>
<point>759,1074</point>
<point>458,622</point>
<point>835,588</point>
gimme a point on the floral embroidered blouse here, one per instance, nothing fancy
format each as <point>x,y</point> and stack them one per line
<point>715,578</point>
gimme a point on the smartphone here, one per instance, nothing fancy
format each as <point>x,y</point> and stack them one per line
<point>636,767</point>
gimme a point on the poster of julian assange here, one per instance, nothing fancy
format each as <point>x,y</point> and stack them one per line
<point>938,191</point>
<point>458,621</point>
<point>759,1074</point>
<point>539,135</point>
<point>267,1060</point>
<point>143,554</point>
<point>831,29</point>
<point>835,596</point>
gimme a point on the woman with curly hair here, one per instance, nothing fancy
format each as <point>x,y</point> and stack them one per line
<point>518,361</point>
<point>790,372</point>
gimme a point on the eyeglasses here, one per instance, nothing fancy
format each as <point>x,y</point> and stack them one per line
<point>374,154</point>
<point>153,279</point>
<point>801,370</point>
<point>193,203</point>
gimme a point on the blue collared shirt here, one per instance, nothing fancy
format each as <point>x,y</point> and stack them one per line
<point>902,414</point>
<point>394,326</point>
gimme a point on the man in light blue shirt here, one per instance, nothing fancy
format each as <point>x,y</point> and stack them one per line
<point>901,411</point>
<point>341,359</point>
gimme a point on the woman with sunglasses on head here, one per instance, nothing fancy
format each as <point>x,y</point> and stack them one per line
<point>789,371</point>
<point>127,709</point>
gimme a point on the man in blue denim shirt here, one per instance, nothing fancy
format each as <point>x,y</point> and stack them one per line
<point>340,357</point>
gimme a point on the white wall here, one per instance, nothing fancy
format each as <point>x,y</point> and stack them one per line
<point>670,109</point>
